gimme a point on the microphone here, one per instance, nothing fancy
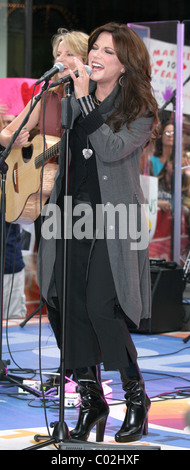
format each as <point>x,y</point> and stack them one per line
<point>58,67</point>
<point>68,78</point>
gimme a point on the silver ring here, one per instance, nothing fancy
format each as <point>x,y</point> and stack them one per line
<point>81,75</point>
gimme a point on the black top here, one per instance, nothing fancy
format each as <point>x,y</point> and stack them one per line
<point>83,176</point>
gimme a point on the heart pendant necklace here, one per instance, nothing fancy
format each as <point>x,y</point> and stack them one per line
<point>87,153</point>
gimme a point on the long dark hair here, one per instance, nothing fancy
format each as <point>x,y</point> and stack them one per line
<point>158,143</point>
<point>136,92</point>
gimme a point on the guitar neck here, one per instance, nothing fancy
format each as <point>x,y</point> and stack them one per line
<point>45,156</point>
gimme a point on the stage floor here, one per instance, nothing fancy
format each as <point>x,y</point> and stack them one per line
<point>163,360</point>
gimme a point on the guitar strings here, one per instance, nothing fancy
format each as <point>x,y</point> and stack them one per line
<point>50,152</point>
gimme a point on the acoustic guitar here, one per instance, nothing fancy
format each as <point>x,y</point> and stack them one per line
<point>23,179</point>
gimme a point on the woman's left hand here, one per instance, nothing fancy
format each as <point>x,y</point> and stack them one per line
<point>81,83</point>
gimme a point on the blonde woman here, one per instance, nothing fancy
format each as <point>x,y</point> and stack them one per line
<point>66,45</point>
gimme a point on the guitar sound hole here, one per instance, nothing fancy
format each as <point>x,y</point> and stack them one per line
<point>27,153</point>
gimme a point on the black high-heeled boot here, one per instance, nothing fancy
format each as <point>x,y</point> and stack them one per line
<point>138,403</point>
<point>94,409</point>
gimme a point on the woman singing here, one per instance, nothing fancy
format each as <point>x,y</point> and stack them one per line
<point>108,276</point>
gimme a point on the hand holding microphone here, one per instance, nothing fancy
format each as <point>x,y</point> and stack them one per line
<point>81,80</point>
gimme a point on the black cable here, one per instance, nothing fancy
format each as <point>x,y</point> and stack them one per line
<point>164,354</point>
<point>11,290</point>
<point>9,302</point>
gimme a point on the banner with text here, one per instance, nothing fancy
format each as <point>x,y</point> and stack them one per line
<point>164,71</point>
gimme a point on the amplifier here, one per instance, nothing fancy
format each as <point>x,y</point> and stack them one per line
<point>167,287</point>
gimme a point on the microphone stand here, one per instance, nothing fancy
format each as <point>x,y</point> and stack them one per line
<point>173,96</point>
<point>60,433</point>
<point>23,323</point>
<point>3,171</point>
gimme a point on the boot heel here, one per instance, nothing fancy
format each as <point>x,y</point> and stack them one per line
<point>145,429</point>
<point>100,429</point>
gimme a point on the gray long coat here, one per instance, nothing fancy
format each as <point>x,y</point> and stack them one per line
<point>118,165</point>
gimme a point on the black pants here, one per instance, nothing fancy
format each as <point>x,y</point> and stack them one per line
<point>96,328</point>
<point>108,320</point>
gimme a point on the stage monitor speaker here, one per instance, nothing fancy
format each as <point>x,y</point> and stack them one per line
<point>167,296</point>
